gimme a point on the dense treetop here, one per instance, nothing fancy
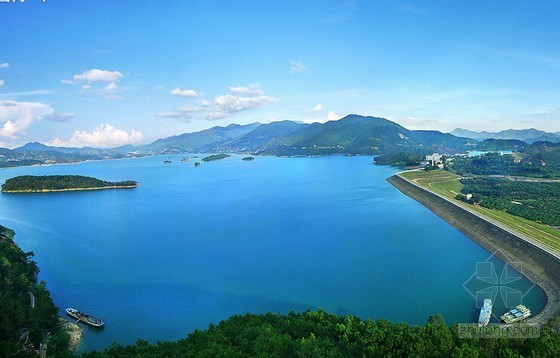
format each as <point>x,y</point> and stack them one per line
<point>320,334</point>
<point>20,323</point>
<point>31,183</point>
<point>535,201</point>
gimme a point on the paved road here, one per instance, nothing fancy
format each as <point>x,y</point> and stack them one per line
<point>523,237</point>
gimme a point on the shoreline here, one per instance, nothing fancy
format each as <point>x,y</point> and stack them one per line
<point>70,189</point>
<point>540,266</point>
<point>74,332</point>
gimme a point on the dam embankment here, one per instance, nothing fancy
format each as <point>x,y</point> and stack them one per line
<point>538,265</point>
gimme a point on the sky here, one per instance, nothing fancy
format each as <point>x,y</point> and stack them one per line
<point>105,73</point>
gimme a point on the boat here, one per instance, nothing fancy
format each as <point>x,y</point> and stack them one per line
<point>167,161</point>
<point>86,318</point>
<point>516,314</point>
<point>485,313</point>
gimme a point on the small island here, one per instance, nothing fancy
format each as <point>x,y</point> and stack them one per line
<point>54,183</point>
<point>215,157</point>
<point>248,159</point>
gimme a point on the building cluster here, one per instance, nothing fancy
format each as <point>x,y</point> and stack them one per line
<point>434,159</point>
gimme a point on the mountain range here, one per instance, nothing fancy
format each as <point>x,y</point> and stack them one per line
<point>351,135</point>
<point>530,135</point>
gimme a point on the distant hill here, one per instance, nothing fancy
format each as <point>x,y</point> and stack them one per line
<point>501,144</point>
<point>255,140</point>
<point>530,135</point>
<point>190,142</point>
<point>361,135</point>
<point>351,135</point>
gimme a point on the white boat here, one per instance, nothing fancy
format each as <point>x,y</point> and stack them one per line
<point>485,313</point>
<point>89,319</point>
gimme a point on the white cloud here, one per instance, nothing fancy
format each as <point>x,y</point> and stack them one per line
<point>96,75</point>
<point>86,87</point>
<point>317,108</point>
<point>183,93</point>
<point>2,83</point>
<point>231,103</point>
<point>184,112</point>
<point>297,67</point>
<point>251,90</point>
<point>26,93</point>
<point>60,117</point>
<point>66,82</point>
<point>240,99</point>
<point>111,86</point>
<point>331,116</point>
<point>104,136</point>
<point>16,117</point>
<point>4,65</point>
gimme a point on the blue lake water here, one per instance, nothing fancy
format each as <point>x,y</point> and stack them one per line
<point>192,246</point>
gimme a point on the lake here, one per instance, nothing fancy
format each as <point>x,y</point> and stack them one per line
<point>192,246</point>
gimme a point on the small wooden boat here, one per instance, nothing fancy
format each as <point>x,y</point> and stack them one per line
<point>88,319</point>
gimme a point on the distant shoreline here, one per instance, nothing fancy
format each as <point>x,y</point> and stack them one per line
<point>539,265</point>
<point>69,189</point>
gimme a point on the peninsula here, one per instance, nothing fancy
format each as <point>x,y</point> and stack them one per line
<point>56,183</point>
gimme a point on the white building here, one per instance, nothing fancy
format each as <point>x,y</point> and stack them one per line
<point>433,159</point>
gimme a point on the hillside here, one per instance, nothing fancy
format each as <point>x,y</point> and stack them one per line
<point>361,135</point>
<point>27,309</point>
<point>191,142</point>
<point>255,140</point>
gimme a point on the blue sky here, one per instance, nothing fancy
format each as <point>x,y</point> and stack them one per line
<point>105,73</point>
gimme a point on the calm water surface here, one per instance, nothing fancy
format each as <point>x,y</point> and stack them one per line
<point>192,246</point>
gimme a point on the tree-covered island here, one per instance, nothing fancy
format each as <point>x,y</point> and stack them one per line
<point>50,183</point>
<point>215,157</point>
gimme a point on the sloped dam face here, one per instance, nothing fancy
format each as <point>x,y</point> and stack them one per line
<point>539,266</point>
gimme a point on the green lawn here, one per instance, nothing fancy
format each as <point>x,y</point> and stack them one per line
<point>447,184</point>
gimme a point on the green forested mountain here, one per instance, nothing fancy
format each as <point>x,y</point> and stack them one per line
<point>191,142</point>
<point>353,134</point>
<point>259,138</point>
<point>356,134</point>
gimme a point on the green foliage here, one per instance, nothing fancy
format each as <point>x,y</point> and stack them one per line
<point>398,159</point>
<point>535,201</point>
<point>18,282</point>
<point>215,157</point>
<point>320,334</point>
<point>537,161</point>
<point>59,182</point>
